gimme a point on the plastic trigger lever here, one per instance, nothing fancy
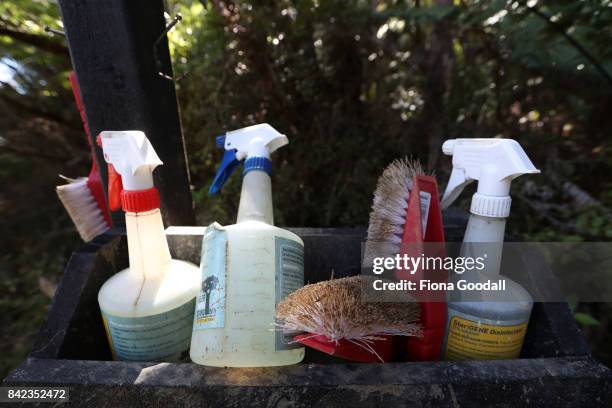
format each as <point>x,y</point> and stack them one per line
<point>228,165</point>
<point>115,187</point>
<point>115,184</point>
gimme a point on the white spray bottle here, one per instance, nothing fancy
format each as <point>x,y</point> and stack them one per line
<point>147,308</point>
<point>248,267</point>
<point>494,326</point>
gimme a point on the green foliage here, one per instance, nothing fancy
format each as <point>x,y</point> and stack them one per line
<point>40,137</point>
<point>349,86</point>
<point>586,319</point>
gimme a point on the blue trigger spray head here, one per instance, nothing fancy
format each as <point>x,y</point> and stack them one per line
<point>254,144</point>
<point>228,165</point>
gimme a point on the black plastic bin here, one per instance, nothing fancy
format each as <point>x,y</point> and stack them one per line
<point>555,369</point>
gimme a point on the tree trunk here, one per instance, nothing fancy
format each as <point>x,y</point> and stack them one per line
<point>437,67</point>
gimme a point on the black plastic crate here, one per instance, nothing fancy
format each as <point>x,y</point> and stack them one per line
<point>555,367</point>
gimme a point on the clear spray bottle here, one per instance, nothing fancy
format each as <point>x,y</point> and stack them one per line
<point>247,267</point>
<point>488,325</point>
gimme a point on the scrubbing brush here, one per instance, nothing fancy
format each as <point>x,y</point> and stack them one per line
<point>390,204</point>
<point>406,213</point>
<point>337,322</point>
<point>82,207</point>
<point>83,197</point>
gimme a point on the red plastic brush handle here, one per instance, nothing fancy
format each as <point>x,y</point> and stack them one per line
<point>94,183</point>
<point>79,102</point>
<point>433,312</point>
<point>350,351</point>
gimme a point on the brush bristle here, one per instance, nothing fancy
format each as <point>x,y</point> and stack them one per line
<point>388,215</point>
<point>334,309</point>
<point>82,208</point>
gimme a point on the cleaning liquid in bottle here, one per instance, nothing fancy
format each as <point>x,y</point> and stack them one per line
<point>248,267</point>
<point>147,308</point>
<point>489,325</point>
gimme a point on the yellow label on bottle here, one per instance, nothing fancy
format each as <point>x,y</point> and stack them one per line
<point>469,340</point>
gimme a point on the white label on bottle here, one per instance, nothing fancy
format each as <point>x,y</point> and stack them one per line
<point>289,278</point>
<point>425,203</point>
<point>161,337</point>
<point>210,303</point>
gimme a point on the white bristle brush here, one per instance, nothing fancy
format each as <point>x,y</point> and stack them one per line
<point>389,205</point>
<point>82,208</point>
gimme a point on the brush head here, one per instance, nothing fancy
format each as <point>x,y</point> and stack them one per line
<point>388,215</point>
<point>82,208</point>
<point>334,309</point>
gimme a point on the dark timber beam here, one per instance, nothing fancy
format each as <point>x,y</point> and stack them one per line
<point>111,46</point>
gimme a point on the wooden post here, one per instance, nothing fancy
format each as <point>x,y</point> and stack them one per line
<point>111,46</point>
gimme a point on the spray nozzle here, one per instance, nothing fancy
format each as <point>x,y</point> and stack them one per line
<point>253,143</point>
<point>131,160</point>
<point>494,163</point>
<point>229,163</point>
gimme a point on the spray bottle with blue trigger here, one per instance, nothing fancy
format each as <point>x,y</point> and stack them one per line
<point>490,325</point>
<point>247,267</point>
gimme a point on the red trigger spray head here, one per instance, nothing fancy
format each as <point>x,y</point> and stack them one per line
<point>131,160</point>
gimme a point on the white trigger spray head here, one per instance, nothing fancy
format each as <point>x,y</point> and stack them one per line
<point>494,163</point>
<point>132,156</point>
<point>255,141</point>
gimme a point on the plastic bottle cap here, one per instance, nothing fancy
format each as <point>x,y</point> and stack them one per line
<point>257,163</point>
<point>140,200</point>
<point>490,206</point>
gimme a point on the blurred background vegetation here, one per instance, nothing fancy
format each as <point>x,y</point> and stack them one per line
<point>354,84</point>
